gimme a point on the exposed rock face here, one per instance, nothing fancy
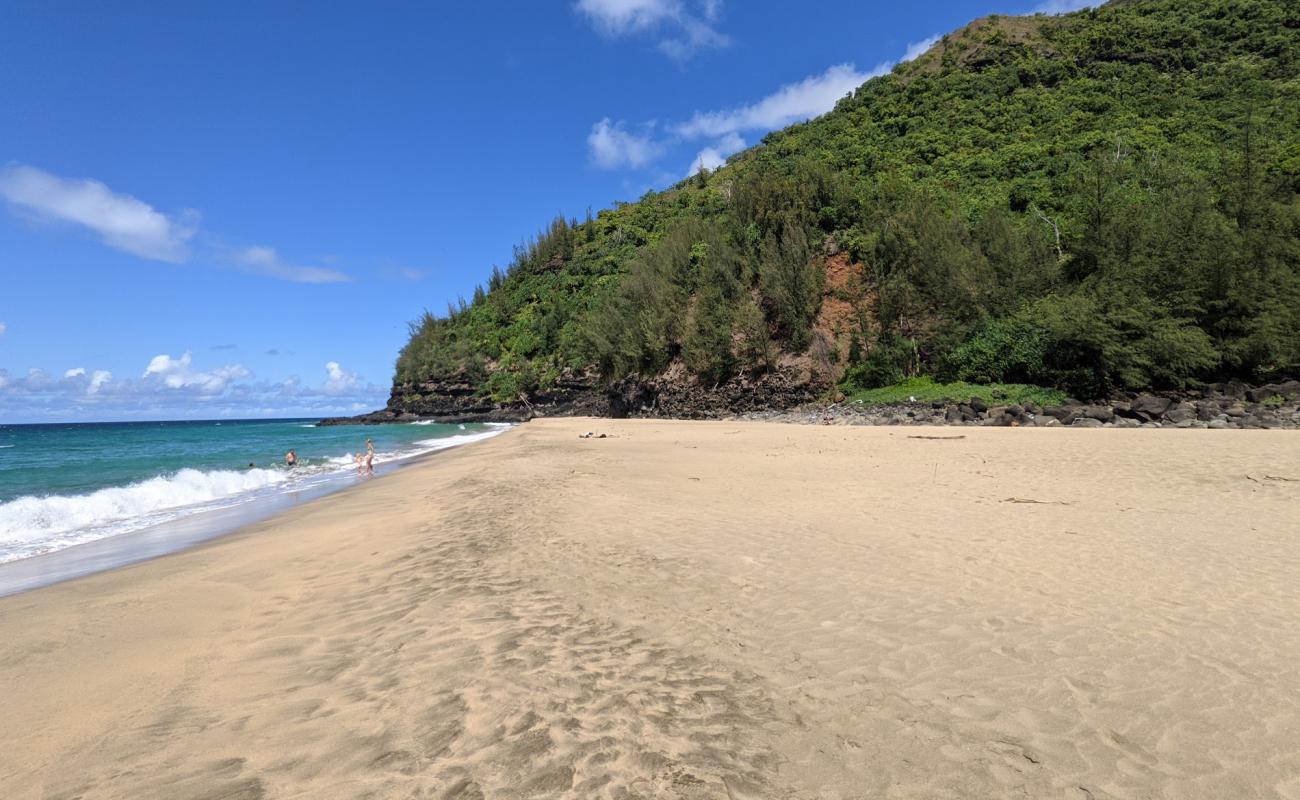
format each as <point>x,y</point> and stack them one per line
<point>792,390</point>
<point>454,399</point>
<point>674,394</point>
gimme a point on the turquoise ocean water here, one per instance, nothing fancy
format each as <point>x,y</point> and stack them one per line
<point>62,485</point>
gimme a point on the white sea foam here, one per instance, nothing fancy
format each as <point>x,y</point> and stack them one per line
<point>433,445</point>
<point>32,525</point>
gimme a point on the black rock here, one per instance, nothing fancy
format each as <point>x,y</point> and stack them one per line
<point>1099,413</point>
<point>1147,406</point>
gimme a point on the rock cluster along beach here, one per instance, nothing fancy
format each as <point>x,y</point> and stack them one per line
<point>1217,406</point>
<point>1222,406</point>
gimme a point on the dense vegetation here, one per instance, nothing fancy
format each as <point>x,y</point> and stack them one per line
<point>1104,200</point>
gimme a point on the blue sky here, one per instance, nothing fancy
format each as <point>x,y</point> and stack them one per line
<point>232,209</point>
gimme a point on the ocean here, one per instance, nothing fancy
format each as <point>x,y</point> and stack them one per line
<point>71,484</point>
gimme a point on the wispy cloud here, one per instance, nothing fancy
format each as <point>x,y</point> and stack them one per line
<point>917,49</point>
<point>407,274</point>
<point>133,226</point>
<point>711,158</point>
<point>1065,6</point>
<point>120,220</point>
<point>794,102</point>
<point>612,146</point>
<point>683,28</point>
<point>258,260</point>
<point>3,329</point>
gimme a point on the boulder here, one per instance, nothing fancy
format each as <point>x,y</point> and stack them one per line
<point>1099,413</point>
<point>978,405</point>
<point>1056,411</point>
<point>1230,390</point>
<point>1261,393</point>
<point>1148,406</point>
<point>1182,412</point>
<point>1087,422</point>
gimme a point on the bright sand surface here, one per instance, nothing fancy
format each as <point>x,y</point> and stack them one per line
<point>720,610</point>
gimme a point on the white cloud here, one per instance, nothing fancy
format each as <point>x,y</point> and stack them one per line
<point>176,373</point>
<point>794,102</point>
<point>340,381</point>
<point>917,49</point>
<point>266,261</point>
<point>174,388</point>
<point>3,328</point>
<point>612,145</point>
<point>695,36</point>
<point>808,98</point>
<point>38,378</point>
<point>75,380</point>
<point>122,221</point>
<point>621,17</point>
<point>97,380</point>
<point>131,225</point>
<point>1065,6</point>
<point>685,28</point>
<point>711,158</point>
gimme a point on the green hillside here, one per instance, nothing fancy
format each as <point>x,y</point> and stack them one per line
<point>1093,202</point>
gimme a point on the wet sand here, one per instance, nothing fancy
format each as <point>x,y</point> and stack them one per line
<point>701,610</point>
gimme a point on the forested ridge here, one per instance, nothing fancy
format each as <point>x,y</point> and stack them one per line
<point>1095,202</point>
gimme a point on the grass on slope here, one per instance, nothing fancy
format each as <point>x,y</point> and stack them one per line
<point>926,390</point>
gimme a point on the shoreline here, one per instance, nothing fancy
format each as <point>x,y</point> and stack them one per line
<point>699,609</point>
<point>188,531</point>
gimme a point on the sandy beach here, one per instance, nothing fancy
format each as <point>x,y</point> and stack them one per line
<point>701,610</point>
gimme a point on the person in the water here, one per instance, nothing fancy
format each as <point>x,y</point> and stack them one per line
<point>291,459</point>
